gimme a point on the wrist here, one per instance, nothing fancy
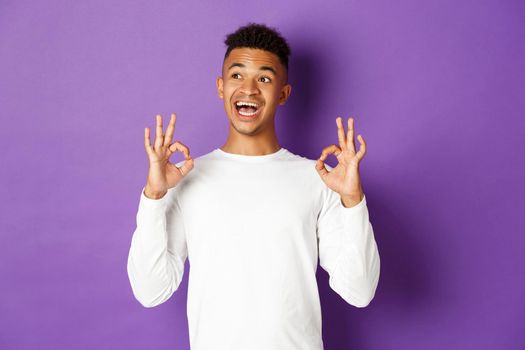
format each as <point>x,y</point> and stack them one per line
<point>349,201</point>
<point>153,194</point>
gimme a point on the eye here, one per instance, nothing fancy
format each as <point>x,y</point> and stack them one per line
<point>269,80</point>
<point>234,74</point>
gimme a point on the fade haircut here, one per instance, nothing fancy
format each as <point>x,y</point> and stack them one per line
<point>259,36</point>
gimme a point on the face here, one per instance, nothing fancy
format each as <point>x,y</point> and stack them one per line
<point>256,77</point>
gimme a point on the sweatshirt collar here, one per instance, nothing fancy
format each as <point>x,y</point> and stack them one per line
<point>249,158</point>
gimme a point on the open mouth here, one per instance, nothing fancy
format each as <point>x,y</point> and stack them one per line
<point>247,108</point>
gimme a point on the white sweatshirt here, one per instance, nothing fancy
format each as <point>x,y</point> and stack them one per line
<point>252,228</point>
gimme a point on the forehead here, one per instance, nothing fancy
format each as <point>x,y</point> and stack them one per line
<point>253,58</point>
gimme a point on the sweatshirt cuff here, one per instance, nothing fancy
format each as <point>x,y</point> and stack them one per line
<point>153,203</point>
<point>355,220</point>
<point>356,208</point>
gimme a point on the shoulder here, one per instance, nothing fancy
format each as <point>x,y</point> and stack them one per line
<point>199,162</point>
<point>306,167</point>
<point>305,161</point>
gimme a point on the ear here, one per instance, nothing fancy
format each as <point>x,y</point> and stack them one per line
<point>220,90</point>
<point>285,93</point>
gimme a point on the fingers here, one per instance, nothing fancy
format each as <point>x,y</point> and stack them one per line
<point>162,139</point>
<point>362,147</point>
<point>350,135</point>
<point>332,149</point>
<point>188,164</point>
<point>346,141</point>
<point>320,166</point>
<point>147,143</point>
<point>159,137</point>
<point>321,169</point>
<point>169,131</point>
<point>340,132</point>
<point>177,145</point>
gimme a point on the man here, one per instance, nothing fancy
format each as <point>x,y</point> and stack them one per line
<point>253,218</point>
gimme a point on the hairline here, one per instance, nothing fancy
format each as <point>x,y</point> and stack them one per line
<point>257,48</point>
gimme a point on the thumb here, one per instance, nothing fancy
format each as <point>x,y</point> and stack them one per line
<point>321,169</point>
<point>186,166</point>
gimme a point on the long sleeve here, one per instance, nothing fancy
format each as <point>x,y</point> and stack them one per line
<point>347,249</point>
<point>158,249</point>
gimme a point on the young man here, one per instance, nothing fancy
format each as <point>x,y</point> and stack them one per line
<point>253,218</point>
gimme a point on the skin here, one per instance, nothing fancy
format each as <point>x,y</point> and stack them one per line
<point>344,177</point>
<point>270,88</point>
<point>251,83</point>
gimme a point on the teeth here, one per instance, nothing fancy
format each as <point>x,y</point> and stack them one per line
<point>246,114</point>
<point>242,103</point>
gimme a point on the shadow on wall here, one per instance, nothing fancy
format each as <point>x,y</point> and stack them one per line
<point>296,120</point>
<point>407,286</point>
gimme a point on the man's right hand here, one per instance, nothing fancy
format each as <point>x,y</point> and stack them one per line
<point>162,174</point>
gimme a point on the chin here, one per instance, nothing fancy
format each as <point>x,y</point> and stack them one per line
<point>243,127</point>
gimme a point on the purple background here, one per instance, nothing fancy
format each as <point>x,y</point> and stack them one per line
<point>436,88</point>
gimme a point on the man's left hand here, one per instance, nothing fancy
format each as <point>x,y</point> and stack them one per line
<point>344,178</point>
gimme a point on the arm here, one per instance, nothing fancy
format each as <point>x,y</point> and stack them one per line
<point>158,249</point>
<point>347,249</point>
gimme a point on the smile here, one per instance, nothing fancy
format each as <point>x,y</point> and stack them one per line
<point>247,108</point>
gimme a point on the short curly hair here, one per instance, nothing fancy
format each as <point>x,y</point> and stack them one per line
<point>259,36</point>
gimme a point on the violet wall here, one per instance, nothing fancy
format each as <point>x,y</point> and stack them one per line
<point>436,88</point>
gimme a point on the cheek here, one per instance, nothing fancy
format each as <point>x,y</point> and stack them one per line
<point>272,97</point>
<point>229,89</point>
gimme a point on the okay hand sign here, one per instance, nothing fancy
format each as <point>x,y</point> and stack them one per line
<point>162,174</point>
<point>344,178</point>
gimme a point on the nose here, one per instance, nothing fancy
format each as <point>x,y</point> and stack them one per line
<point>249,87</point>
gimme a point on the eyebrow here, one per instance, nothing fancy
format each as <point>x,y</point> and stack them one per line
<point>235,64</point>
